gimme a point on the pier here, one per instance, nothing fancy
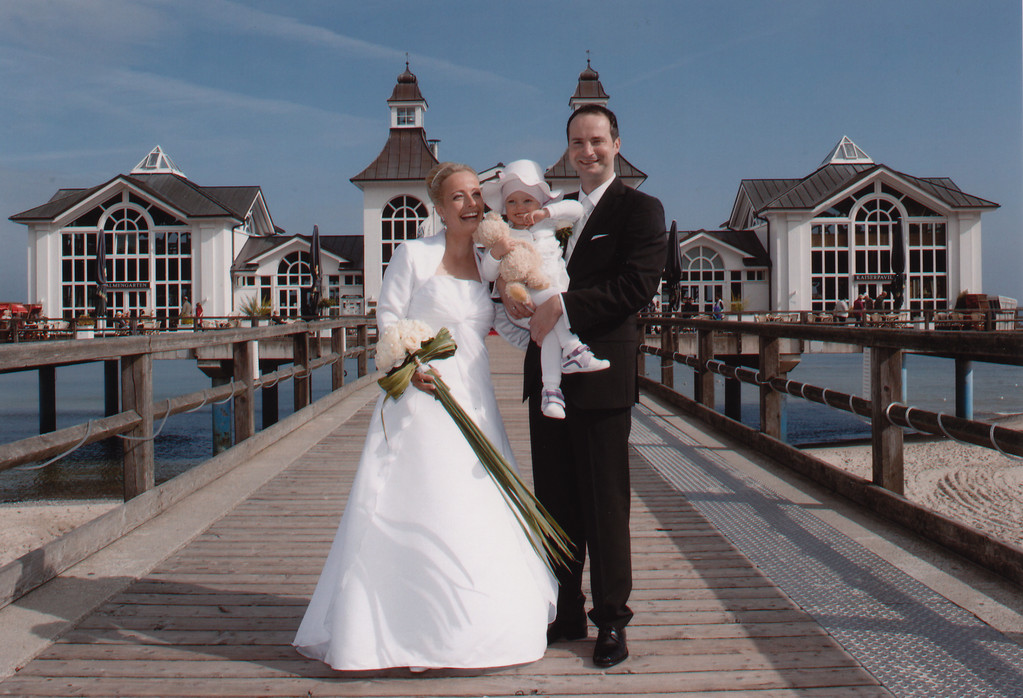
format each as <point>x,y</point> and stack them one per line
<point>751,578</point>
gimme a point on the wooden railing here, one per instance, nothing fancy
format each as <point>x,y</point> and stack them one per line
<point>134,422</point>
<point>134,355</point>
<point>888,416</point>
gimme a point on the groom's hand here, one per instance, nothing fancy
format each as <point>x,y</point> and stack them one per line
<point>544,318</point>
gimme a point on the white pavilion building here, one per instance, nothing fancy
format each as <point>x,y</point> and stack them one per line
<point>166,239</point>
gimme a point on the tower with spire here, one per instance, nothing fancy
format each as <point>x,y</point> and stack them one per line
<point>589,90</point>
<point>396,205</point>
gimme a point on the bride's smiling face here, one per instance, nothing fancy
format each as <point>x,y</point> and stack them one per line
<point>461,203</point>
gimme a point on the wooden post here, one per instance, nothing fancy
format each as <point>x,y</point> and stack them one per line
<point>338,345</point>
<point>669,342</point>
<point>270,395</point>
<point>770,399</point>
<point>964,388</point>
<point>363,340</point>
<point>137,395</point>
<point>302,384</point>
<point>221,417</point>
<point>704,384</point>
<point>111,388</point>
<point>886,438</point>
<point>244,403</point>
<point>733,398</point>
<point>47,399</point>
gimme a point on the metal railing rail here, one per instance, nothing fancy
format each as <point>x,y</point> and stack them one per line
<point>887,415</point>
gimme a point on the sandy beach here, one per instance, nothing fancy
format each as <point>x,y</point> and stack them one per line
<point>26,526</point>
<point>976,485</point>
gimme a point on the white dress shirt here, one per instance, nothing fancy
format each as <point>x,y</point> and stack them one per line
<point>589,202</point>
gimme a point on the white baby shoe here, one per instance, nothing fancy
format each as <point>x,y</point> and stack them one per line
<point>582,360</point>
<point>552,403</point>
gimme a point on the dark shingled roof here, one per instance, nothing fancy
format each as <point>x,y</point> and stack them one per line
<point>589,86</point>
<point>58,203</point>
<point>406,156</point>
<point>407,88</point>
<point>623,168</point>
<point>192,200</point>
<point>745,240</point>
<point>347,247</point>
<point>758,195</point>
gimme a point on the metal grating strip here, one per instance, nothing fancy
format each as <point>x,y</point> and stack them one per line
<point>916,642</point>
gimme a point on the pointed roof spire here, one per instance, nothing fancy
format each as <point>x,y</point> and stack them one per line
<point>157,162</point>
<point>847,153</point>
<point>589,90</point>
<point>407,88</point>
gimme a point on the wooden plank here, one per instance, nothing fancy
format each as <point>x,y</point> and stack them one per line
<point>217,618</point>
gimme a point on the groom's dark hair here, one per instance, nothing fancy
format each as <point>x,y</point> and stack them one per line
<point>595,109</point>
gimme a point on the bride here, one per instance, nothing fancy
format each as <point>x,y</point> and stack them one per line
<point>430,567</point>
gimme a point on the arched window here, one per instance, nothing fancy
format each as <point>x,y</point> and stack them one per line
<point>703,276</point>
<point>126,249</point>
<point>294,273</point>
<point>399,221</point>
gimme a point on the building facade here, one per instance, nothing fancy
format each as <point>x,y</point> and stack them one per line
<point>396,205</point>
<point>152,243</point>
<point>853,227</point>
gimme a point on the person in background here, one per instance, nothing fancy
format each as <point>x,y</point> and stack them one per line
<point>841,311</point>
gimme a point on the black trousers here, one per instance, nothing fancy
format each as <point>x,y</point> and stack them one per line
<point>581,474</point>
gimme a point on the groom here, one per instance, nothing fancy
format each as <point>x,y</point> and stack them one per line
<point>580,464</point>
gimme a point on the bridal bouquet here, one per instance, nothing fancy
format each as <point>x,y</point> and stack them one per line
<point>410,344</point>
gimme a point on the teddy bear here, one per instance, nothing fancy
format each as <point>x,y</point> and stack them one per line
<point>521,267</point>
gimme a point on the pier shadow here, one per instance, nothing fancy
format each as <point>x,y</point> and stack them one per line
<point>903,632</point>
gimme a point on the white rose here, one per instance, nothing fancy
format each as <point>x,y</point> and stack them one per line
<point>414,334</point>
<point>390,349</point>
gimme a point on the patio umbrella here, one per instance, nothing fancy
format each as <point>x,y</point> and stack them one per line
<point>310,306</point>
<point>101,274</point>
<point>898,282</point>
<point>673,269</point>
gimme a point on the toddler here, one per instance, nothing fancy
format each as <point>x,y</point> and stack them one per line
<point>521,194</point>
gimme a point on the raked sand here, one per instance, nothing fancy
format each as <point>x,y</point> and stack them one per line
<point>977,485</point>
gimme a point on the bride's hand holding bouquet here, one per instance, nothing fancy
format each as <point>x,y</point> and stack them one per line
<point>404,351</point>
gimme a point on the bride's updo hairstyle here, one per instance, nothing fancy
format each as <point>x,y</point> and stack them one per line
<point>436,177</point>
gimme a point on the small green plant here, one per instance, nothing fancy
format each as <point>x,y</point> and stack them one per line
<point>256,307</point>
<point>85,321</point>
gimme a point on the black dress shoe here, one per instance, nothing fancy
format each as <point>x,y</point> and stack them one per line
<point>610,648</point>
<point>566,630</point>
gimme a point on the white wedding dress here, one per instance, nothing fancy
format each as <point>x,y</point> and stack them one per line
<point>430,568</point>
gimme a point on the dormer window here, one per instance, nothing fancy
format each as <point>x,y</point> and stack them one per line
<point>406,116</point>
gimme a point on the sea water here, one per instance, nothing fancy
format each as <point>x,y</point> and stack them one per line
<point>94,470</point>
<point>929,385</point>
<point>187,439</point>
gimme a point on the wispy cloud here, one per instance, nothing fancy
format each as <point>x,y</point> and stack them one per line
<point>240,18</point>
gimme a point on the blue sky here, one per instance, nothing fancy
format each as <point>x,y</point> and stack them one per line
<point>291,96</point>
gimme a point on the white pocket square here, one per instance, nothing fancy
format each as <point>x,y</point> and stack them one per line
<point>602,235</point>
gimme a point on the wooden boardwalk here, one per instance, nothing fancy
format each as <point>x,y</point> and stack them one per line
<point>217,618</point>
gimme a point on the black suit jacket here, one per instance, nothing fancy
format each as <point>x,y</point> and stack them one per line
<point>614,271</point>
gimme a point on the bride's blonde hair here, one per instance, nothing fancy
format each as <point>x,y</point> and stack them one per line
<point>436,177</point>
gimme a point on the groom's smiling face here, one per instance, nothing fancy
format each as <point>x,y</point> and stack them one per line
<point>592,150</point>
